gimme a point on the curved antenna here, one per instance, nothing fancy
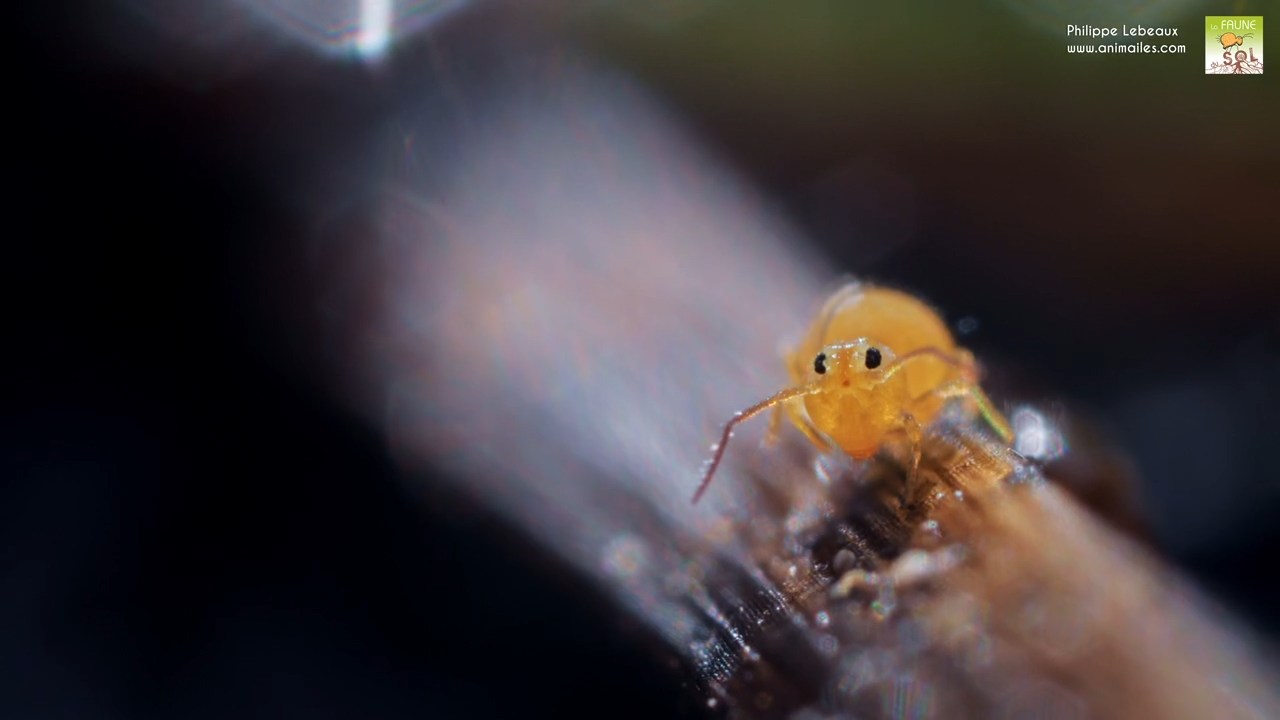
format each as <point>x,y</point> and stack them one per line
<point>932,351</point>
<point>851,289</point>
<point>780,397</point>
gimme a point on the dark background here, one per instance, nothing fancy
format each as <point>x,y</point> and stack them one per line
<point>192,527</point>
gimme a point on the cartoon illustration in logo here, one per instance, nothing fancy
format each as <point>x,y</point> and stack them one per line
<point>1233,45</point>
<point>1231,39</point>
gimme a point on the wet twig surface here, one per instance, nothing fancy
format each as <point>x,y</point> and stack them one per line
<point>984,591</point>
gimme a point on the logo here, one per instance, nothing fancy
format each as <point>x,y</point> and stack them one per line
<point>1233,45</point>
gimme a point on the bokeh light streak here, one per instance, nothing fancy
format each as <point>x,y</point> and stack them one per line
<point>375,27</point>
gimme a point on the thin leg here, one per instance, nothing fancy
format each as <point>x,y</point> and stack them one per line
<point>971,390</point>
<point>747,414</point>
<point>793,410</point>
<point>916,435</point>
<point>802,421</point>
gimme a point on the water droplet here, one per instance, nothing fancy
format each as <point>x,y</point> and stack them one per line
<point>844,561</point>
<point>1035,437</point>
<point>911,566</point>
<point>624,556</point>
<point>886,601</point>
<point>828,645</point>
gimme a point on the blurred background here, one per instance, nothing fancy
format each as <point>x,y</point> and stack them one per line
<point>203,515</point>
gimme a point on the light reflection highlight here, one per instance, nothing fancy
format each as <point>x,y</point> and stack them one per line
<point>1036,437</point>
<point>366,29</point>
<point>375,27</point>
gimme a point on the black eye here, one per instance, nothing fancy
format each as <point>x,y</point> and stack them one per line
<point>820,364</point>
<point>873,358</point>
